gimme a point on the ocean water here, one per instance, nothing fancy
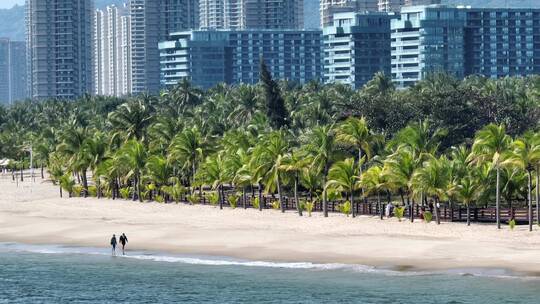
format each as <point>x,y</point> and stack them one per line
<point>55,274</point>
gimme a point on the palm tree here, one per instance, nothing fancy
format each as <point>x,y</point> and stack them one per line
<point>95,148</point>
<point>311,180</point>
<point>73,148</point>
<point>343,175</point>
<point>398,169</point>
<point>355,132</point>
<point>372,180</point>
<point>320,146</point>
<point>420,137</point>
<point>432,179</point>
<point>188,148</point>
<point>525,155</point>
<point>248,104</point>
<point>489,144</point>
<point>294,163</point>
<point>131,119</point>
<point>184,96</point>
<point>158,171</point>
<point>467,191</point>
<point>133,153</point>
<point>213,172</point>
<point>268,156</point>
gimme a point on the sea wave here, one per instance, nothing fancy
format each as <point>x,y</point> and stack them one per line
<point>227,261</point>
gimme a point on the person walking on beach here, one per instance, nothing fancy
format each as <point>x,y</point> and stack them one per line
<point>113,244</point>
<point>123,241</point>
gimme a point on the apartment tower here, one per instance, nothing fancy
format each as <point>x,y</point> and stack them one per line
<point>152,21</point>
<point>12,71</point>
<point>251,14</point>
<point>329,7</point>
<point>59,48</point>
<point>112,68</point>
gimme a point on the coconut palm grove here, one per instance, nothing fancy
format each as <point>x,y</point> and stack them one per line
<point>443,149</point>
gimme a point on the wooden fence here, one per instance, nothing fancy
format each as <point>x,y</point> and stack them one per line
<point>446,213</point>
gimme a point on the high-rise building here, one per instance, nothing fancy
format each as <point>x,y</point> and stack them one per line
<point>233,12</point>
<point>210,57</point>
<point>427,39</point>
<point>274,14</point>
<point>151,22</point>
<point>356,47</point>
<point>12,71</point>
<point>59,48</point>
<point>396,5</point>
<point>251,14</point>
<point>390,5</point>
<point>421,2</point>
<point>502,42</point>
<point>111,50</point>
<point>212,14</point>
<point>492,42</point>
<point>330,7</point>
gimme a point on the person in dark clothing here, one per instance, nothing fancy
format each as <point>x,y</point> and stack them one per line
<point>113,244</point>
<point>123,241</point>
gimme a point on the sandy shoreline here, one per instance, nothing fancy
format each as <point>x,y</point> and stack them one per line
<point>35,214</point>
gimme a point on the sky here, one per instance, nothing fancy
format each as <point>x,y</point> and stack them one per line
<point>10,3</point>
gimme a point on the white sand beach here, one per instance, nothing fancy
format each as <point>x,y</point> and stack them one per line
<point>33,213</point>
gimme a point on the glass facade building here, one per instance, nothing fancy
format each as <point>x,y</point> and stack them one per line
<point>427,39</point>
<point>210,57</point>
<point>491,42</point>
<point>356,47</point>
<point>502,42</point>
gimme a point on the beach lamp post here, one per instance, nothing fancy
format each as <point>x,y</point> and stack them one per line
<point>29,150</point>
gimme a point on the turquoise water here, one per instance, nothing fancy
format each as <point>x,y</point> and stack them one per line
<point>53,274</point>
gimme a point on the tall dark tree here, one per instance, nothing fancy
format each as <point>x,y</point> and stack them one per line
<point>274,102</point>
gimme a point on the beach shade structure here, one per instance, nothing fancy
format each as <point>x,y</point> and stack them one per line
<point>5,162</point>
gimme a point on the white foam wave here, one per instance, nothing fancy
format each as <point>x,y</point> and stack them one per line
<point>224,261</point>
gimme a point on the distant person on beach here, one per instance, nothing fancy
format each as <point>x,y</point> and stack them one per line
<point>113,244</point>
<point>389,209</point>
<point>123,241</point>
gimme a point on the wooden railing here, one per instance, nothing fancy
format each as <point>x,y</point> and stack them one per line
<point>370,208</point>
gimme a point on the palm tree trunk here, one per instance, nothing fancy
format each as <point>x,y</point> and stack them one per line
<point>139,189</point>
<point>260,197</point>
<point>529,198</point>
<point>468,214</point>
<point>437,211</point>
<point>84,182</point>
<point>411,208</point>
<point>281,205</point>
<point>60,191</point>
<point>221,198</point>
<point>42,173</point>
<point>497,199</point>
<point>353,211</point>
<point>114,186</point>
<point>134,188</point>
<point>381,209</point>
<point>360,171</point>
<point>538,195</point>
<point>325,196</point>
<point>298,206</point>
<point>98,190</point>
<point>244,197</point>
<point>22,175</point>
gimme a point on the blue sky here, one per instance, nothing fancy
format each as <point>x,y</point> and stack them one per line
<point>10,3</point>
